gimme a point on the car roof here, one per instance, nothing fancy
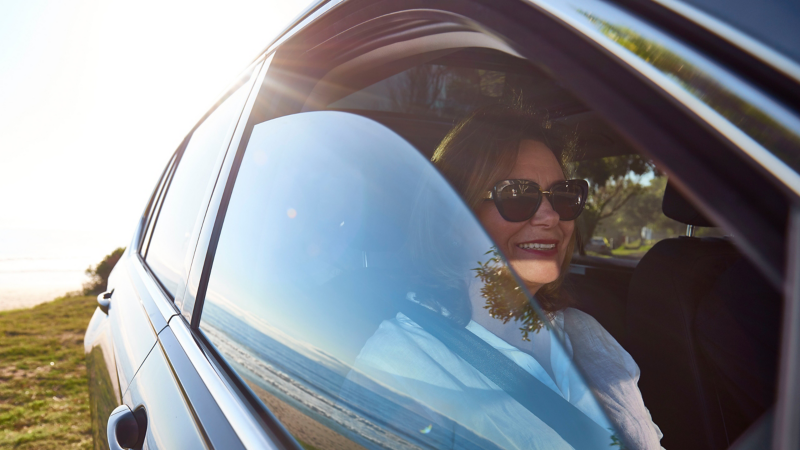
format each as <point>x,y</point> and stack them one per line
<point>765,30</point>
<point>772,22</point>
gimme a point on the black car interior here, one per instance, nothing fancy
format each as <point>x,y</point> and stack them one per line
<point>707,350</point>
<point>702,322</point>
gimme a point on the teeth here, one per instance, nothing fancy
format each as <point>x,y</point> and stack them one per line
<point>531,245</point>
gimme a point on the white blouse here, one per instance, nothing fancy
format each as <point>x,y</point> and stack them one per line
<point>404,357</point>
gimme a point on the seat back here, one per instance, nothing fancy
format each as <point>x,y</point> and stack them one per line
<point>737,327</point>
<point>676,382</point>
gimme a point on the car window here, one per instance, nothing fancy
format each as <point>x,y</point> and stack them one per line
<point>155,205</point>
<point>336,245</point>
<point>623,218</point>
<point>183,208</point>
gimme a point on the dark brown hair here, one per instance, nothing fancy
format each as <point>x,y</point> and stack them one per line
<point>483,148</point>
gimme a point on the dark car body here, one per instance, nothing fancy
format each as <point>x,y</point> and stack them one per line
<point>713,105</point>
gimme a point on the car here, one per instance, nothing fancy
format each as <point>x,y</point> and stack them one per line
<point>278,237</point>
<point>598,244</point>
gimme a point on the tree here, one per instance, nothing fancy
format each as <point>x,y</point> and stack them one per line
<point>642,210</point>
<point>613,182</point>
<point>98,275</point>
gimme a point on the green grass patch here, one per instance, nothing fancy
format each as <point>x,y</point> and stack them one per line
<point>44,399</point>
<point>637,252</point>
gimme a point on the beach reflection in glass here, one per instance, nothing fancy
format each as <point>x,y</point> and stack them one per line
<point>334,227</point>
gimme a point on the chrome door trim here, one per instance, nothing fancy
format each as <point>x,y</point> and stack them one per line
<point>249,431</point>
<point>763,157</point>
<point>770,57</point>
<point>786,431</point>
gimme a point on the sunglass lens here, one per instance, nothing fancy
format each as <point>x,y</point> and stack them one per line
<point>568,200</point>
<point>518,202</point>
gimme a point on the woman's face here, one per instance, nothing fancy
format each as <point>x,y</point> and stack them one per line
<point>536,267</point>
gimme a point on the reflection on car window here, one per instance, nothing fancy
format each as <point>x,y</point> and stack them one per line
<point>768,123</point>
<point>339,288</point>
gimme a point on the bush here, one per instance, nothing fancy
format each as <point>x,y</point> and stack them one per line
<point>98,275</point>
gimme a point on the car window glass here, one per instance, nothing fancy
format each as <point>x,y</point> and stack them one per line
<point>624,218</point>
<point>182,207</point>
<point>155,204</point>
<point>333,240</point>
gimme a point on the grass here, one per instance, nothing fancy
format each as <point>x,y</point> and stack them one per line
<point>637,252</point>
<point>44,399</point>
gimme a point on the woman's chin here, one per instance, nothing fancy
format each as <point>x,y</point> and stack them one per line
<point>535,282</point>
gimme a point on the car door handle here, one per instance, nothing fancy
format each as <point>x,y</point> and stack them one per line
<point>126,429</point>
<point>104,300</point>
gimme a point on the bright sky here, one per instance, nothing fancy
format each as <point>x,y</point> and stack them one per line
<point>95,96</point>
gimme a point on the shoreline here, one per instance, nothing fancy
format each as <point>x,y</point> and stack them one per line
<point>23,298</point>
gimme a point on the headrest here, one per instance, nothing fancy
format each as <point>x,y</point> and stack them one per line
<point>678,208</point>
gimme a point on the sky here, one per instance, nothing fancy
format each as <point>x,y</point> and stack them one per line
<point>95,96</point>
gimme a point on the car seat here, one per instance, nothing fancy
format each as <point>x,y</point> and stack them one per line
<point>698,314</point>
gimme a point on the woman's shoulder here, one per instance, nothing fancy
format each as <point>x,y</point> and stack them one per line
<point>579,322</point>
<point>589,338</point>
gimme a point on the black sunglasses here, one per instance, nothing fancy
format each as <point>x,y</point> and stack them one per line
<point>518,200</point>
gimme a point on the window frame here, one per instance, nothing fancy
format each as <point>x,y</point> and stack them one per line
<point>618,91</point>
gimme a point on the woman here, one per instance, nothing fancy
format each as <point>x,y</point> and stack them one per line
<point>507,165</point>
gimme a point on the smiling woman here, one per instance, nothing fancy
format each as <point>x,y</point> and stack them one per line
<point>500,142</point>
<point>493,144</point>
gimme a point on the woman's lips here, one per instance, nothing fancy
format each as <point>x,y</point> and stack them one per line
<point>543,247</point>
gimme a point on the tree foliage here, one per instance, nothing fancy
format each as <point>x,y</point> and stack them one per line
<point>505,300</point>
<point>613,182</point>
<point>643,210</point>
<point>98,275</point>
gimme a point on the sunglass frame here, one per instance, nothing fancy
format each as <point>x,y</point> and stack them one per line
<point>494,195</point>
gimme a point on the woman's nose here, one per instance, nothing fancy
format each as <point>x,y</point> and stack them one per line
<point>545,215</point>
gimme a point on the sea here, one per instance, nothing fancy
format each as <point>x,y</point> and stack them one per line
<point>324,388</point>
<point>37,266</point>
